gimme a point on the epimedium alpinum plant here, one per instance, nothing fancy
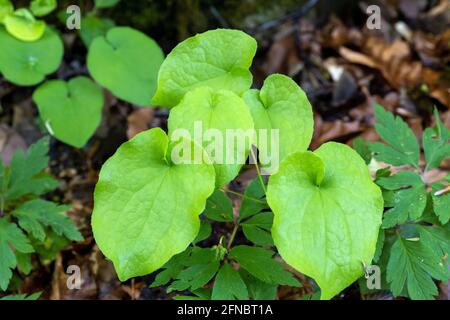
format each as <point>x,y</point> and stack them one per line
<point>120,59</point>
<point>30,226</point>
<point>320,211</point>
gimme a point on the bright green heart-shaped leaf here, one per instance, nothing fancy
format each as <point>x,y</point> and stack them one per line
<point>42,7</point>
<point>22,25</point>
<point>147,206</point>
<point>94,27</point>
<point>221,123</point>
<point>283,106</point>
<point>126,62</point>
<point>70,110</point>
<point>106,3</point>
<point>6,8</point>
<point>27,63</point>
<point>218,58</point>
<point>327,214</point>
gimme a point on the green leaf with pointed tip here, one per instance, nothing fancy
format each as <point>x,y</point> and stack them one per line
<point>259,263</point>
<point>25,173</point>
<point>27,63</point>
<point>24,263</point>
<point>42,7</point>
<point>436,238</point>
<point>209,118</point>
<point>436,143</point>
<point>249,206</point>
<point>324,226</point>
<point>51,247</point>
<point>363,150</point>
<point>402,146</point>
<point>257,228</point>
<point>22,25</point>
<point>126,62</point>
<point>6,8</point>
<point>196,275</point>
<point>219,207</point>
<point>280,105</point>
<point>172,268</point>
<point>70,110</point>
<point>10,237</point>
<point>400,180</point>
<point>218,58</point>
<point>411,266</point>
<point>257,289</point>
<point>229,285</point>
<point>408,203</point>
<point>94,27</point>
<point>441,203</point>
<point>106,3</point>
<point>380,245</point>
<point>204,232</point>
<point>147,205</point>
<point>36,214</point>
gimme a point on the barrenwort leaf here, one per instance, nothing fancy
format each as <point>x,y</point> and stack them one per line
<point>146,208</point>
<point>27,63</point>
<point>280,105</point>
<point>323,225</point>
<point>70,110</point>
<point>219,59</point>
<point>204,111</point>
<point>126,62</point>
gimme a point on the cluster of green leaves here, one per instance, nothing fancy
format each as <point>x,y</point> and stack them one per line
<point>414,242</point>
<point>28,223</point>
<point>120,59</point>
<point>147,207</point>
<point>259,274</point>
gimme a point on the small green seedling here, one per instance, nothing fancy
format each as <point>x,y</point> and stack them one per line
<point>72,110</point>
<point>126,62</point>
<point>28,63</point>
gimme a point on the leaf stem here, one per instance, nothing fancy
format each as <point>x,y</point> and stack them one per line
<point>252,152</point>
<point>242,195</point>
<point>233,235</point>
